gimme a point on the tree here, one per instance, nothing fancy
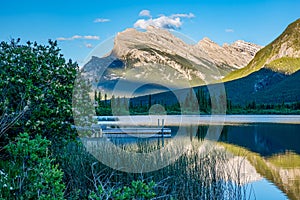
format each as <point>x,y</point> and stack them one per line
<point>149,101</point>
<point>229,105</point>
<point>105,99</point>
<point>99,96</point>
<point>82,105</point>
<point>95,96</point>
<point>38,78</point>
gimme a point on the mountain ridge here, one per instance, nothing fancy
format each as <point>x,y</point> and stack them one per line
<point>158,56</point>
<point>235,55</point>
<point>285,49</point>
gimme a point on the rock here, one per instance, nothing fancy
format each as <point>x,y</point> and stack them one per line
<point>158,56</point>
<point>237,55</point>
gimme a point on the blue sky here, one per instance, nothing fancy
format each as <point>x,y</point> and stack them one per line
<point>81,25</point>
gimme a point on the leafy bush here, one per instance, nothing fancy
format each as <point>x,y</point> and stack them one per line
<point>39,78</point>
<point>137,190</point>
<point>30,173</point>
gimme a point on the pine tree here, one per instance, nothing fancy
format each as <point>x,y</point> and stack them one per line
<point>149,101</point>
<point>105,99</point>
<point>95,96</point>
<point>99,96</point>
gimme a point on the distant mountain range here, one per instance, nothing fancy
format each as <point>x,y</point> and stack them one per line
<point>157,57</point>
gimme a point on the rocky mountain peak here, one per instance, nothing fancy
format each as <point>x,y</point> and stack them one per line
<point>206,40</point>
<point>247,47</point>
<point>237,54</point>
<point>153,37</point>
<point>135,45</point>
<point>158,56</point>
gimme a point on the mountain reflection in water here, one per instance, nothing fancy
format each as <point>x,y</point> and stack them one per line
<point>272,149</point>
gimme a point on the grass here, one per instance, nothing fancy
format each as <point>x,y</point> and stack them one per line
<point>286,65</point>
<point>193,175</point>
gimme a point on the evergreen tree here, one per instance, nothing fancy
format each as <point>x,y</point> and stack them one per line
<point>149,101</point>
<point>95,96</point>
<point>105,99</point>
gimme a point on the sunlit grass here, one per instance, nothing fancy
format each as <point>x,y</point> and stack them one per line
<point>285,65</point>
<point>289,37</point>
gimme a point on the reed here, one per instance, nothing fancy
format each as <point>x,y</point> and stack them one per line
<point>198,173</point>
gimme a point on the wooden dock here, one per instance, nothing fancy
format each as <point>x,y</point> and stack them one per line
<point>108,126</point>
<point>142,132</point>
<point>133,130</point>
<point>137,132</point>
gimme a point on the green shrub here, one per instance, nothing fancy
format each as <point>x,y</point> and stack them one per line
<point>30,173</point>
<point>137,190</point>
<point>39,78</point>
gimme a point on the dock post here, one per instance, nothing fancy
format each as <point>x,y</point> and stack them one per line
<point>162,132</point>
<point>158,140</point>
<point>100,132</point>
<point>162,129</point>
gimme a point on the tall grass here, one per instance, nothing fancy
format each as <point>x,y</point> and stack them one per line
<point>198,173</point>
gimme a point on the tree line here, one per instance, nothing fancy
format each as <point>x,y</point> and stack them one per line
<point>195,101</point>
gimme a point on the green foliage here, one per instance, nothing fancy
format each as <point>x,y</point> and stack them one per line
<point>137,190</point>
<point>285,65</point>
<point>39,78</point>
<point>204,107</point>
<point>30,173</point>
<point>254,108</point>
<point>82,105</point>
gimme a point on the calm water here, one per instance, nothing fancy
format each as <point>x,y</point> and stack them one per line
<point>276,144</point>
<point>265,139</point>
<point>270,141</point>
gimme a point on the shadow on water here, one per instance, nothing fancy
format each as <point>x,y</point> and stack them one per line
<point>265,139</point>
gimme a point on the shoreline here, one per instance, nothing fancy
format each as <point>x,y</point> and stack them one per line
<point>173,120</point>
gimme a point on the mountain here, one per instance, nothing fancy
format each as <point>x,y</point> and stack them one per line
<point>264,86</point>
<point>282,55</point>
<point>156,58</point>
<point>236,55</point>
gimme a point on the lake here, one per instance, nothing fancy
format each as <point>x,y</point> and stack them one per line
<point>270,144</point>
